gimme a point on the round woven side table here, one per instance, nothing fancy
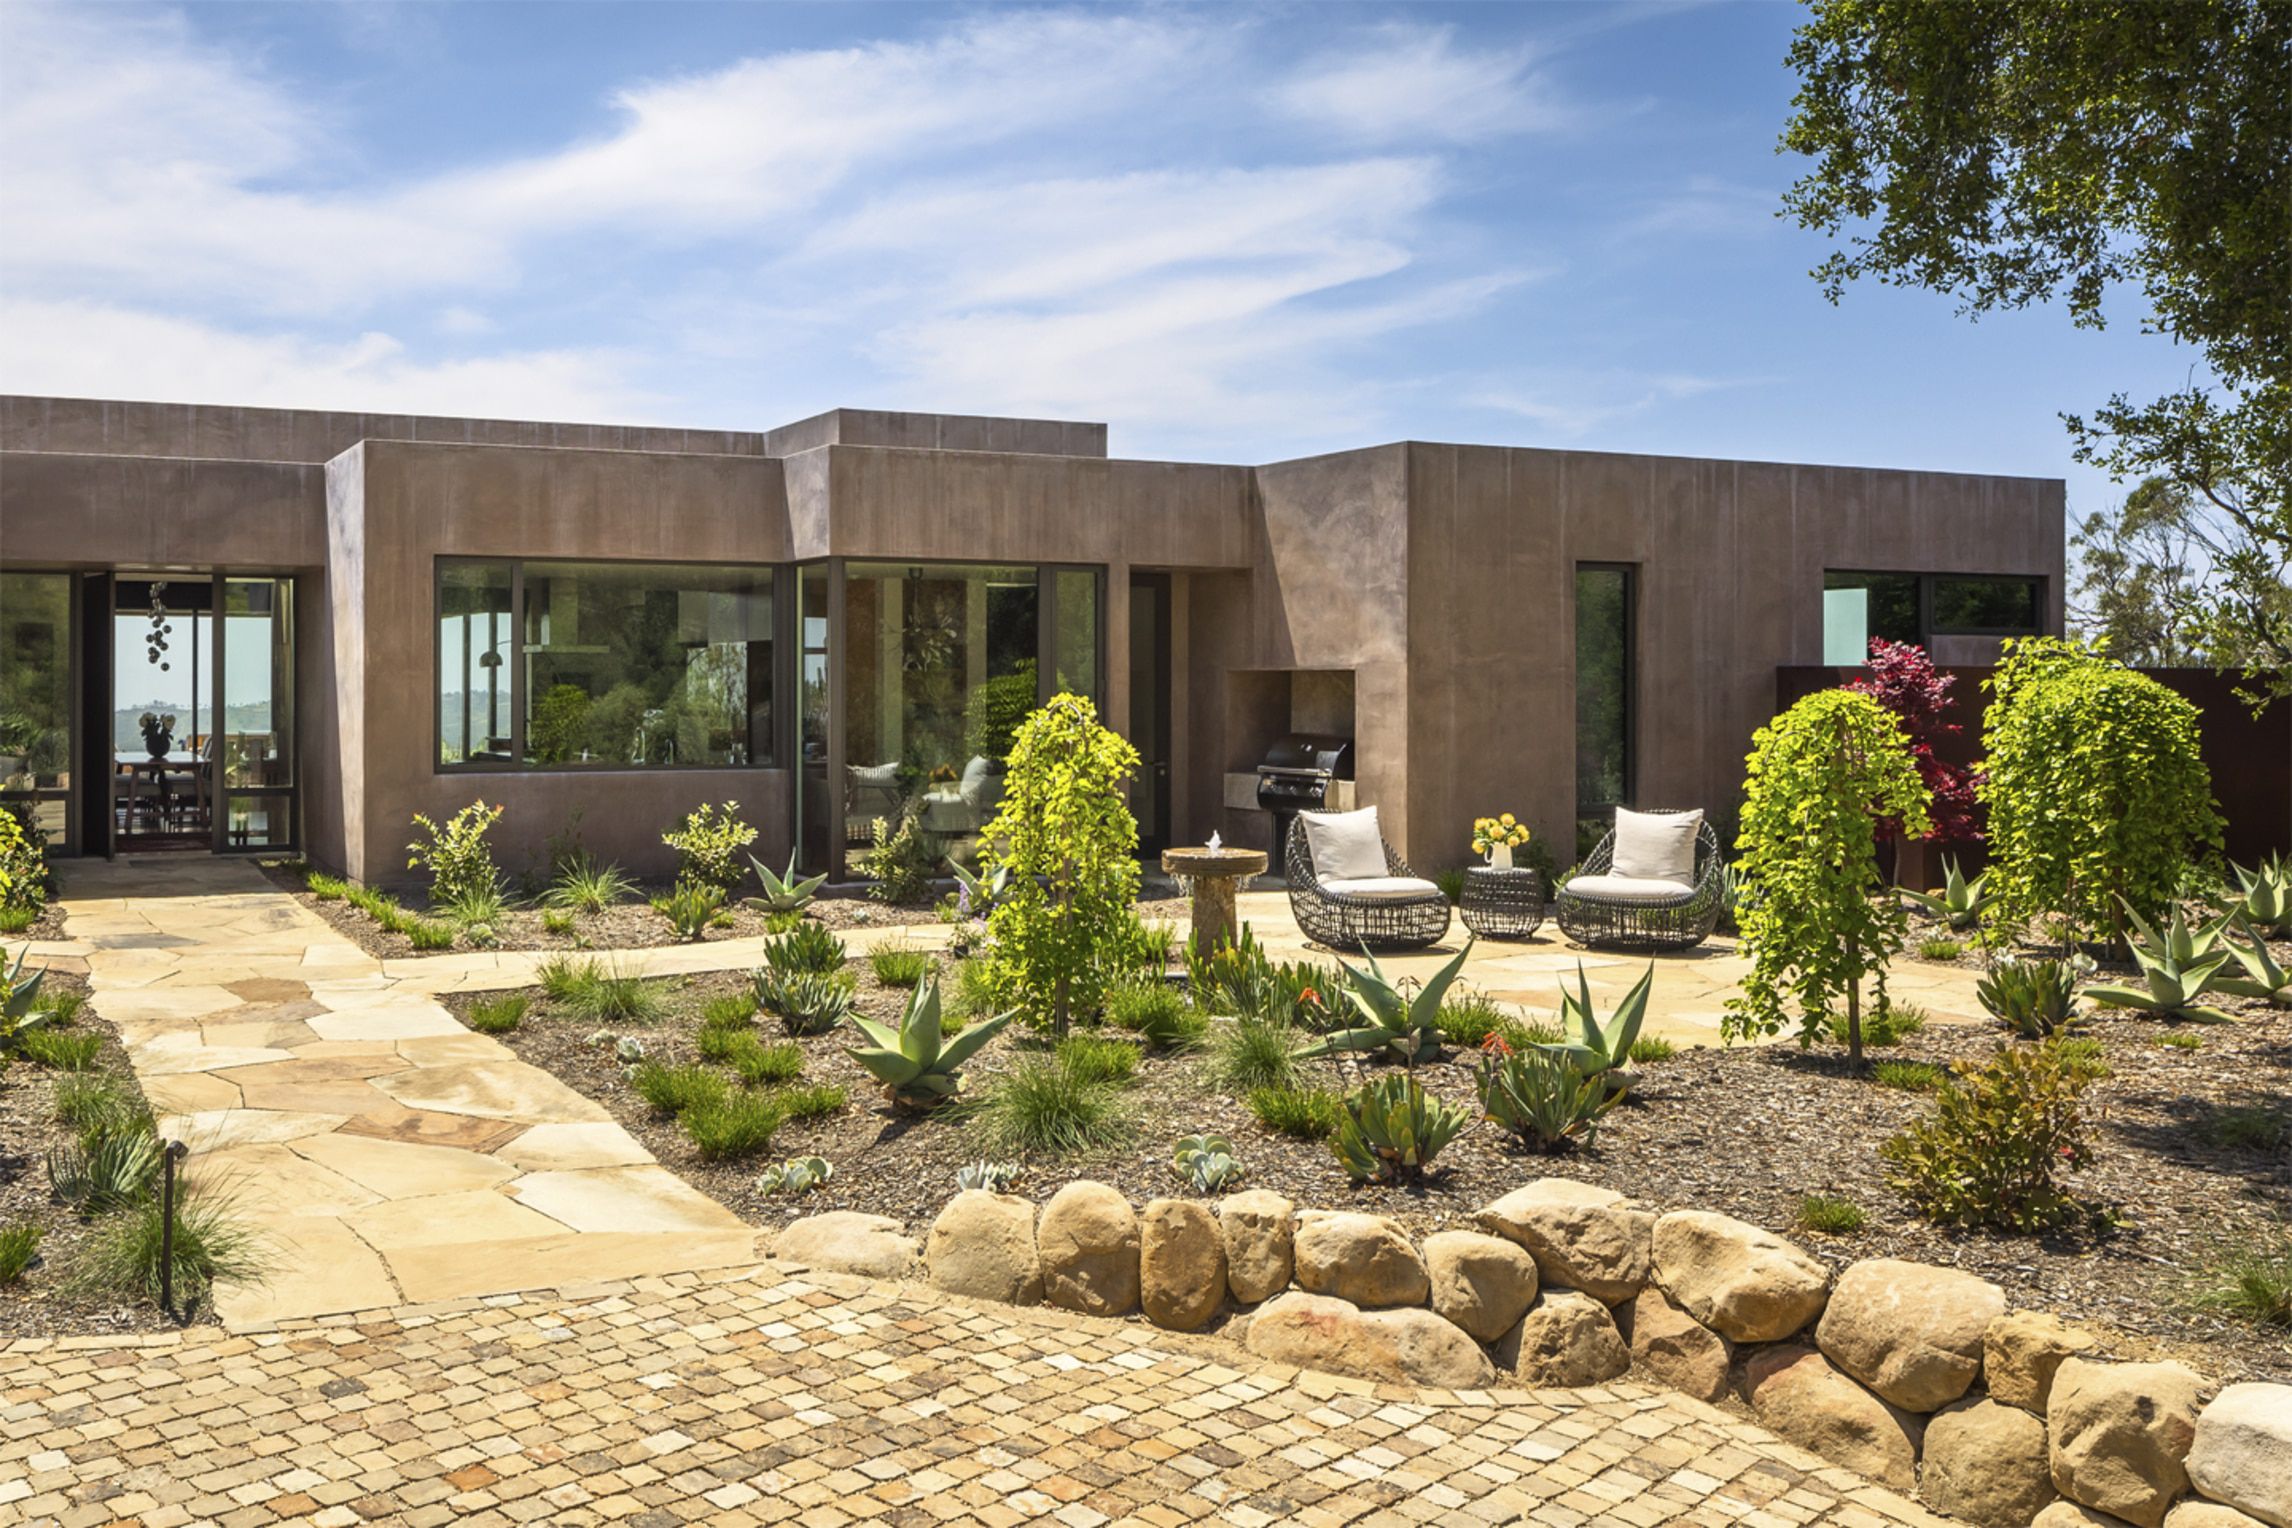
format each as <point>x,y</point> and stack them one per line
<point>1502,904</point>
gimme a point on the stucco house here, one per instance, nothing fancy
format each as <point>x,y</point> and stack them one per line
<point>340,620</point>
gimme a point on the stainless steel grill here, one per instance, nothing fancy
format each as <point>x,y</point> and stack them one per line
<point>1295,776</point>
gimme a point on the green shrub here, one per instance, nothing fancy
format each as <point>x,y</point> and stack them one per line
<point>812,1102</point>
<point>1651,1048</point>
<point>1095,1058</point>
<point>2096,786</point>
<point>2181,1039</point>
<point>1390,1129</point>
<point>733,1125</point>
<point>1827,1216</point>
<point>1041,1106</point>
<point>327,888</point>
<point>1155,1011</point>
<point>2033,998</point>
<point>457,856</point>
<point>1309,1114</point>
<point>212,1245</point>
<point>556,921</point>
<point>63,1005</point>
<point>1468,1018</point>
<point>60,1049</point>
<point>1252,1053</point>
<point>2249,1278</point>
<point>1823,776</point>
<point>898,966</point>
<point>784,922</point>
<point>2084,1059</point>
<point>19,1244</point>
<point>2000,1133</point>
<point>613,996</point>
<point>710,844</point>
<point>498,1015</point>
<point>808,947</point>
<point>1908,1076</point>
<point>480,905</point>
<point>2248,1129</point>
<point>429,935</point>
<point>14,920</point>
<point>675,1089</point>
<point>584,886</point>
<point>1065,832</point>
<point>1134,950</point>
<point>759,1065</point>
<point>690,907</point>
<point>805,1002</point>
<point>734,1010</point>
<point>1944,950</point>
<point>899,861</point>
<point>1884,1026</point>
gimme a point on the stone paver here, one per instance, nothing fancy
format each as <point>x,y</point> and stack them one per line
<point>822,1401</point>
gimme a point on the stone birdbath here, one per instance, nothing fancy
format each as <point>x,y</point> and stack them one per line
<point>1215,872</point>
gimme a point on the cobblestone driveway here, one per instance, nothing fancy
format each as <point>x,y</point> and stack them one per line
<point>812,1399</point>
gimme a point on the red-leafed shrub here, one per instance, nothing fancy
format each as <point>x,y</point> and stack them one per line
<point>1902,679</point>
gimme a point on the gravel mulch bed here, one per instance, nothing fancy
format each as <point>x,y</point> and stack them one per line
<point>39,1306</point>
<point>634,925</point>
<point>1746,1131</point>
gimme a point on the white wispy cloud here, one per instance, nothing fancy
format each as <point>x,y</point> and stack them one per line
<point>1573,406</point>
<point>1408,83</point>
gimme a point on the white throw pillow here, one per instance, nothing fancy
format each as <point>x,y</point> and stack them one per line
<point>1656,846</point>
<point>1347,846</point>
<point>877,775</point>
<point>973,787</point>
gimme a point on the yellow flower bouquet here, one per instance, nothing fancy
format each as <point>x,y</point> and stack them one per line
<point>1503,832</point>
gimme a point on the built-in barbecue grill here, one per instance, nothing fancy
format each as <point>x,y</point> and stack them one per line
<point>1295,776</point>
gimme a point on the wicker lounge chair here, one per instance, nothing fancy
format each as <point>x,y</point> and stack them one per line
<point>1394,918</point>
<point>1638,915</point>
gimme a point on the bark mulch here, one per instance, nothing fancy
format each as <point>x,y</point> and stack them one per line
<point>39,1305</point>
<point>1745,1131</point>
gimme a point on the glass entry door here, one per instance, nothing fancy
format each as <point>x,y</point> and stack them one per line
<point>254,714</point>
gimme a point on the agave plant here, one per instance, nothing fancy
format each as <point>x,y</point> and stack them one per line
<point>2263,978</point>
<point>2267,904</point>
<point>993,1177</point>
<point>1207,1162</point>
<point>1960,901</point>
<point>1389,1130</point>
<point>797,1175</point>
<point>980,892</point>
<point>1601,1051</point>
<point>1540,1095</point>
<point>805,1002</point>
<point>20,1011</point>
<point>1407,1025</point>
<point>2033,998</point>
<point>784,893</point>
<point>2178,966</point>
<point>914,1063</point>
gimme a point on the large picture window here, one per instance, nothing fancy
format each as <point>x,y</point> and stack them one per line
<point>592,665</point>
<point>1604,694</point>
<point>1916,607</point>
<point>36,697</point>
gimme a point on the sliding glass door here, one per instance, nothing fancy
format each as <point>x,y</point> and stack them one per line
<point>254,714</point>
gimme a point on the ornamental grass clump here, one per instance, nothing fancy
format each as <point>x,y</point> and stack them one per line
<point>498,1015</point>
<point>733,1124</point>
<point>1041,1106</point>
<point>1826,1215</point>
<point>1252,1053</point>
<point>1823,777</point>
<point>898,966</point>
<point>1308,1114</point>
<point>1097,1058</point>
<point>584,886</point>
<point>762,1065</point>
<point>212,1244</point>
<point>1154,1011</point>
<point>677,1089</point>
<point>2096,787</point>
<point>1065,833</point>
<point>1991,1153</point>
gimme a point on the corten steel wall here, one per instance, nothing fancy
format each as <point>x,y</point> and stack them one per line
<point>2250,756</point>
<point>1729,559</point>
<point>395,508</point>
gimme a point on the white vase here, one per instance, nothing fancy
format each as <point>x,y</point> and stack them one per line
<point>1500,857</point>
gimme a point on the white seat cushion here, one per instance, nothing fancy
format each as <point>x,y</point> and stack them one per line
<point>1655,846</point>
<point>1347,846</point>
<point>1383,888</point>
<point>1626,888</point>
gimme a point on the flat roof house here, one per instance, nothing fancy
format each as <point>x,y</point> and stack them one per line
<point>339,620</point>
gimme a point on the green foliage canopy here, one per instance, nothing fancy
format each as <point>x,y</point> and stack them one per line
<point>1066,835</point>
<point>2097,790</point>
<point>1823,775</point>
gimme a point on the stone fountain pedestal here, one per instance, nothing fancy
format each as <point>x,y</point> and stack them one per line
<point>1216,874</point>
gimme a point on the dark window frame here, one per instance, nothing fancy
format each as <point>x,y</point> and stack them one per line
<point>1628,792</point>
<point>1928,629</point>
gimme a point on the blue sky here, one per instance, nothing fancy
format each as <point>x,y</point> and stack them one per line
<point>1234,233</point>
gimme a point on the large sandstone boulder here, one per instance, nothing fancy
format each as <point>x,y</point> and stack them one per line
<point>1567,1339</point>
<point>1796,1394</point>
<point>1672,1348</point>
<point>2121,1435</point>
<point>1912,1333</point>
<point>2020,1352</point>
<point>1985,1463</point>
<point>1366,1259</point>
<point>1088,1242</point>
<point>983,1245</point>
<point>1257,1226</point>
<point>1399,1346</point>
<point>2243,1451</point>
<point>1582,1237</point>
<point>1181,1264</point>
<point>2194,1512</point>
<point>1482,1283</point>
<point>845,1241</point>
<point>1746,1284</point>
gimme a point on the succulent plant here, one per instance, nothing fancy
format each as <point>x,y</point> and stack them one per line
<point>1541,1095</point>
<point>2033,998</point>
<point>805,947</point>
<point>1390,1129</point>
<point>980,893</point>
<point>2267,904</point>
<point>1960,901</point>
<point>805,1002</point>
<point>994,1177</point>
<point>1207,1162</point>
<point>2263,977</point>
<point>20,1012</point>
<point>2178,966</point>
<point>784,893</point>
<point>797,1175</point>
<point>629,1049</point>
<point>914,1062</point>
<point>1405,1024</point>
<point>1596,1050</point>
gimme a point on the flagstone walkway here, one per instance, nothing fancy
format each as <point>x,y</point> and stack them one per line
<point>822,1401</point>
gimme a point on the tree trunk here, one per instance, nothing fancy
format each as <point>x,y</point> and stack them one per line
<point>1854,1022</point>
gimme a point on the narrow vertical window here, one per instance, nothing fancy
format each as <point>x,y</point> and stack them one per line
<point>1604,694</point>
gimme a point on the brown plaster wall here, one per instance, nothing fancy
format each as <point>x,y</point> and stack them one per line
<point>937,432</point>
<point>130,511</point>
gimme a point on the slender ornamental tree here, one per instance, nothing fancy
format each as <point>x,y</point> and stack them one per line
<point>1823,775</point>
<point>1067,838</point>
<point>2096,786</point>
